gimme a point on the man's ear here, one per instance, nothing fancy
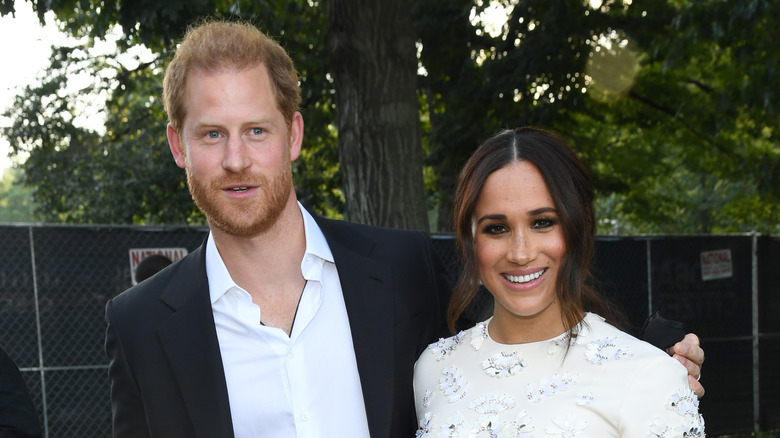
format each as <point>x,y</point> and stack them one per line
<point>296,135</point>
<point>177,148</point>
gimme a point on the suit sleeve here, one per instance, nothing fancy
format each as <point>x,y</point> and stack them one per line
<point>127,408</point>
<point>442,290</point>
<point>18,417</point>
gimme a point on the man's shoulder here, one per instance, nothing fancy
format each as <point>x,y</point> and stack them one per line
<point>185,269</point>
<point>338,226</point>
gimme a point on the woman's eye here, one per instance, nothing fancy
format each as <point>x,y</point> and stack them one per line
<point>544,223</point>
<point>494,229</point>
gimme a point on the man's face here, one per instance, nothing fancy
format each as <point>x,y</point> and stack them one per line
<point>236,149</point>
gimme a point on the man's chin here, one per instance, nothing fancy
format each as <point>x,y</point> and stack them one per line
<point>241,229</point>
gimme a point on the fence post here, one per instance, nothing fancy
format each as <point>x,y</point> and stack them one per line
<point>38,333</point>
<point>649,278</point>
<point>756,376</point>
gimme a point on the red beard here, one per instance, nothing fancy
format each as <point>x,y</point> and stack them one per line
<point>242,218</point>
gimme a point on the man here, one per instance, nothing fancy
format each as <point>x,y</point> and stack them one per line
<point>282,324</point>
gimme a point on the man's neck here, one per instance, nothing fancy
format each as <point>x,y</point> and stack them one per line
<point>268,266</point>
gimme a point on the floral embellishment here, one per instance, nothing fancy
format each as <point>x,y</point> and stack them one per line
<point>602,350</point>
<point>521,427</point>
<point>483,428</point>
<point>693,427</point>
<point>503,364</point>
<point>684,402</point>
<point>584,399</point>
<point>478,335</point>
<point>559,344</point>
<point>425,424</point>
<point>453,384</point>
<point>445,346</point>
<point>426,401</point>
<point>491,404</point>
<point>558,382</point>
<point>568,428</point>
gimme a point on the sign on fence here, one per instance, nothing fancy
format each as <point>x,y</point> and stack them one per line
<point>716,264</point>
<point>138,254</point>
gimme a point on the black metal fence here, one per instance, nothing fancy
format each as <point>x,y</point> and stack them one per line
<point>55,281</point>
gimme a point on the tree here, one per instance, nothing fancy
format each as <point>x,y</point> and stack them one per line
<point>672,104</point>
<point>125,174</point>
<point>382,180</point>
<point>689,143</point>
<point>83,176</point>
<point>372,52</point>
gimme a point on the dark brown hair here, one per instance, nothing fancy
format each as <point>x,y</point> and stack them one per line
<point>572,192</point>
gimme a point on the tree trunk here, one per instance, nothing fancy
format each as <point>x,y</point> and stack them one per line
<point>374,62</point>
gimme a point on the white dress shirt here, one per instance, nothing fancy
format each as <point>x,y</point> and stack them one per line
<point>302,385</point>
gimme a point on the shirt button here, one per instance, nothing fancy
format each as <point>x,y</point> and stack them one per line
<point>305,416</point>
<point>290,354</point>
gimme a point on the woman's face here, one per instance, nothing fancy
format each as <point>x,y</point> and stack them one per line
<point>519,244</point>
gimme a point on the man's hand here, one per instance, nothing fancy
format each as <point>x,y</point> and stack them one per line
<point>690,354</point>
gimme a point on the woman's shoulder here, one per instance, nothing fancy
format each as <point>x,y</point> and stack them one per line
<point>450,348</point>
<point>604,342</point>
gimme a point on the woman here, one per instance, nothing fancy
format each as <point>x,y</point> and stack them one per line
<point>542,365</point>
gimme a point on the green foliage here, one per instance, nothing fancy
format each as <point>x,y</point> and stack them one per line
<point>80,175</point>
<point>125,174</point>
<point>691,147</point>
<point>15,199</point>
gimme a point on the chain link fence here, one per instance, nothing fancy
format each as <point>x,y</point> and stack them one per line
<point>55,281</point>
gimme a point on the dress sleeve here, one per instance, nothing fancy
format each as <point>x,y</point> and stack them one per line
<point>659,403</point>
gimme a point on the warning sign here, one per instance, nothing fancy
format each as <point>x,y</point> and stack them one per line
<point>716,264</point>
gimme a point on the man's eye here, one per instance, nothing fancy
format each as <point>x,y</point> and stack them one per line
<point>257,131</point>
<point>213,134</point>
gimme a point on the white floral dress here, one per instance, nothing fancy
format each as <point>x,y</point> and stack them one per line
<point>608,384</point>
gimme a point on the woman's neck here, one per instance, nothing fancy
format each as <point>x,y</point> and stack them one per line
<point>508,328</point>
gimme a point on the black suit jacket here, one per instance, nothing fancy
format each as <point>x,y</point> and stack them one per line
<point>18,417</point>
<point>166,372</point>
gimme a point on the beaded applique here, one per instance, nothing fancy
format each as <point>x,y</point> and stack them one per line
<point>426,401</point>
<point>521,427</point>
<point>684,401</point>
<point>445,346</point>
<point>453,384</point>
<point>559,382</point>
<point>478,335</point>
<point>559,344</point>
<point>570,427</point>
<point>584,399</point>
<point>425,424</point>
<point>602,350</point>
<point>503,364</point>
<point>492,404</point>
<point>686,404</point>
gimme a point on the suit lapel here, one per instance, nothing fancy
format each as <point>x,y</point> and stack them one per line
<point>189,339</point>
<point>366,286</point>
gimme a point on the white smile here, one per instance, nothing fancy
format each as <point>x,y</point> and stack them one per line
<point>524,278</point>
<point>240,189</point>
